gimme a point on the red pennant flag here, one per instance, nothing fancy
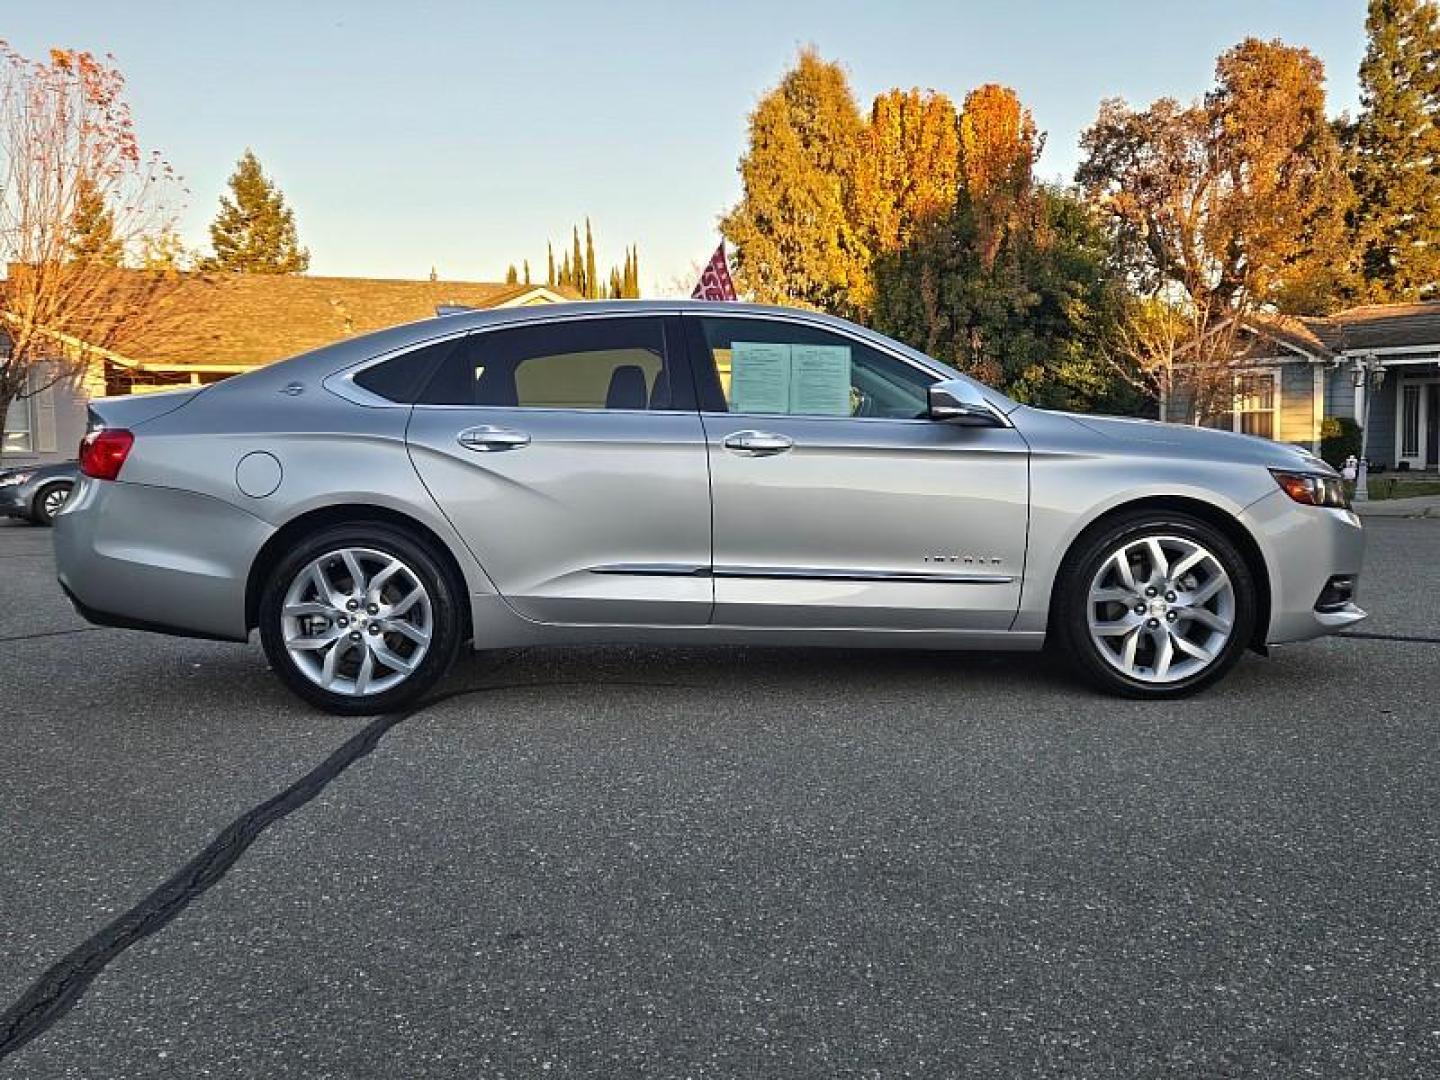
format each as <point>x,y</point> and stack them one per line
<point>715,283</point>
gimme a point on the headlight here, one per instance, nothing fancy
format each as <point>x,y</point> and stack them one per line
<point>13,478</point>
<point>1313,489</point>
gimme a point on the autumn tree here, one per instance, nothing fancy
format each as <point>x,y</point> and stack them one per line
<point>77,196</point>
<point>512,276</point>
<point>796,234</point>
<point>907,166</point>
<point>163,251</point>
<point>1029,315</point>
<point>999,146</point>
<point>254,232</point>
<point>1227,206</point>
<point>1395,148</point>
<point>1007,280</point>
<point>92,227</point>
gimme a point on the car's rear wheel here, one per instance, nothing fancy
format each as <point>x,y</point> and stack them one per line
<point>48,501</point>
<point>360,619</point>
<point>1155,606</point>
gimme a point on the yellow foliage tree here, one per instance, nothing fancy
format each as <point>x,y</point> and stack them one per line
<point>909,165</point>
<point>796,232</point>
<point>998,149</point>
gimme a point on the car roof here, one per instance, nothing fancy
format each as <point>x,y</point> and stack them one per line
<point>355,350</point>
<point>487,316</point>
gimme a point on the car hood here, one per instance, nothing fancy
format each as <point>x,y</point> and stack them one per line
<point>1188,441</point>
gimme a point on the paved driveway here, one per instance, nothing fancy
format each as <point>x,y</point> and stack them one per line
<point>726,862</point>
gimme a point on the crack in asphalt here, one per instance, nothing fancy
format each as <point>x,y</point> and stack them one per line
<point>59,989</point>
<point>1414,639</point>
<point>53,633</point>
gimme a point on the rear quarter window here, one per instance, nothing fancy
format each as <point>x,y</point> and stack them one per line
<point>401,378</point>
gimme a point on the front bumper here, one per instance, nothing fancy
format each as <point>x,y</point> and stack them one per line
<point>15,501</point>
<point>157,558</point>
<point>1304,548</point>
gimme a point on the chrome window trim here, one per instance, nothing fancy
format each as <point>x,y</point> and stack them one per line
<point>561,409</point>
<point>848,419</point>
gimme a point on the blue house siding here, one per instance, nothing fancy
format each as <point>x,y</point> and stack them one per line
<point>1380,444</point>
<point>1340,392</point>
<point>1297,421</point>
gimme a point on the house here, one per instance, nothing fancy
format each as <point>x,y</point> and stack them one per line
<point>1298,372</point>
<point>211,326</point>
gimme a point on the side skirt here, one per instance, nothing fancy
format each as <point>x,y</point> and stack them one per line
<point>498,626</point>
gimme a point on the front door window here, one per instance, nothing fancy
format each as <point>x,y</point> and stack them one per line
<point>764,367</point>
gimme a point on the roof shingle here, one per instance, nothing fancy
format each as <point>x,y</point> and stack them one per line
<point>252,319</point>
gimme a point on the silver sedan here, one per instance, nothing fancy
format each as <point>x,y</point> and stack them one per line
<point>676,472</point>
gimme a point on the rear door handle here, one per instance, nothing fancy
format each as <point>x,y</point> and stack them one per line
<point>487,438</point>
<point>758,443</point>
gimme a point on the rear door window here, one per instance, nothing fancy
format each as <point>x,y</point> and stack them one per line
<point>603,363</point>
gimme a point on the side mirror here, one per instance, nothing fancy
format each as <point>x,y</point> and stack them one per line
<point>958,401</point>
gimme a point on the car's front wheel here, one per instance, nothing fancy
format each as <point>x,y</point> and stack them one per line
<point>360,619</point>
<point>1155,606</point>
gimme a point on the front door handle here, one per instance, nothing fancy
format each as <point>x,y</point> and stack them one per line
<point>758,443</point>
<point>488,437</point>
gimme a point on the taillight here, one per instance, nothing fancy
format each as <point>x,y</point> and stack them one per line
<point>103,452</point>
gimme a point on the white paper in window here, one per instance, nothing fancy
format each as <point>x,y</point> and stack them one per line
<point>759,377</point>
<point>820,380</point>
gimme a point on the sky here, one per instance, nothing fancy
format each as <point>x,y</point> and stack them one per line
<point>462,136</point>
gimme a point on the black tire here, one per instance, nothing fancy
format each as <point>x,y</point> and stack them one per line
<point>44,507</point>
<point>445,594</point>
<point>1070,613</point>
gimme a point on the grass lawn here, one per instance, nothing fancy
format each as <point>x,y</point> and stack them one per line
<point>1396,487</point>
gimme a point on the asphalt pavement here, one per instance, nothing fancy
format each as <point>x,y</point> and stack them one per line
<point>723,862</point>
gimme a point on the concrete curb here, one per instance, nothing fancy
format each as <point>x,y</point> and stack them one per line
<point>1421,506</point>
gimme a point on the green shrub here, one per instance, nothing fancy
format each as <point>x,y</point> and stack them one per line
<point>1339,438</point>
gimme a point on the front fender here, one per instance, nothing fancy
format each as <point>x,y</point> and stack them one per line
<point>1070,492</point>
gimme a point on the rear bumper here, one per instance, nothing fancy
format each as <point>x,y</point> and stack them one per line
<point>157,559</point>
<point>1304,547</point>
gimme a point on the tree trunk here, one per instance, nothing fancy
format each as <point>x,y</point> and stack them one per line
<point>4,416</point>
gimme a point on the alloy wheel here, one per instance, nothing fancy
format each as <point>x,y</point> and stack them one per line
<point>357,621</point>
<point>52,502</point>
<point>1161,609</point>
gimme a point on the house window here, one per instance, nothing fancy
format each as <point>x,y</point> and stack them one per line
<point>19,427</point>
<point>1410,421</point>
<point>1255,397</point>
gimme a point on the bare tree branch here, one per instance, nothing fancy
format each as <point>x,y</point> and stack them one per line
<point>68,144</point>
